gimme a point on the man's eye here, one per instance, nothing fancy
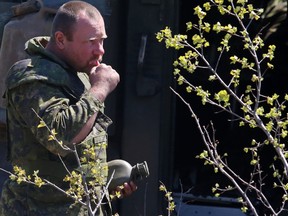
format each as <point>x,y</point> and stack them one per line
<point>93,42</point>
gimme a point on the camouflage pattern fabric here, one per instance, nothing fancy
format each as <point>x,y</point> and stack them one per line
<point>58,95</point>
<point>27,200</point>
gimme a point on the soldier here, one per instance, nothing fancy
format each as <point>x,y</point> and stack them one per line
<point>64,84</point>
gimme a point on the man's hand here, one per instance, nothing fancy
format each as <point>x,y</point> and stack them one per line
<point>125,190</point>
<point>103,80</point>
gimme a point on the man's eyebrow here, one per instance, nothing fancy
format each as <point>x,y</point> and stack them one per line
<point>97,38</point>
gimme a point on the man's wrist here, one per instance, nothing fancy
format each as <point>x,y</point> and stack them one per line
<point>95,104</point>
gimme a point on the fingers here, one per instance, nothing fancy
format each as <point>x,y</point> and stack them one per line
<point>128,189</point>
<point>103,80</point>
<point>125,190</point>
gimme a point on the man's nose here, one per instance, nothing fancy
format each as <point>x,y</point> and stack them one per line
<point>98,49</point>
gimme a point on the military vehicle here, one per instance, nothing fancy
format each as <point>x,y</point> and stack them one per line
<point>150,123</point>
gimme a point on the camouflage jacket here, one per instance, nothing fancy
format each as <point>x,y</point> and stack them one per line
<point>45,88</point>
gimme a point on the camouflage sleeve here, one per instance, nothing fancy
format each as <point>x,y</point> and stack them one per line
<point>61,112</point>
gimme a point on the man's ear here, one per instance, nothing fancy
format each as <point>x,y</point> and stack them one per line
<point>60,39</point>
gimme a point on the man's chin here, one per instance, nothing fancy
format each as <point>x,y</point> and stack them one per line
<point>88,70</point>
<point>94,63</point>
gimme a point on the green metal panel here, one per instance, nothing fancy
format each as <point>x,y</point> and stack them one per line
<point>147,110</point>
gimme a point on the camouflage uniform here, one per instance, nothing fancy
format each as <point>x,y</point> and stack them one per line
<point>59,96</point>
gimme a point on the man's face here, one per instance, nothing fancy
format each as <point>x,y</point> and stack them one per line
<point>86,49</point>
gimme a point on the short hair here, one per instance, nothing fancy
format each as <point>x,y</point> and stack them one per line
<point>68,14</point>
